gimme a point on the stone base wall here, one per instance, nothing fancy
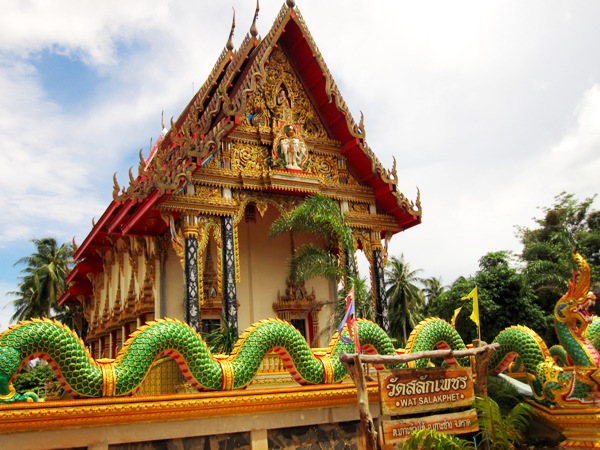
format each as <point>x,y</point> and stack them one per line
<point>234,441</point>
<point>340,436</point>
<point>308,417</point>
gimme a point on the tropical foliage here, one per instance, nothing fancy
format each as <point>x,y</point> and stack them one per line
<point>222,339</point>
<point>547,248</point>
<point>42,280</point>
<point>429,439</point>
<point>433,288</point>
<point>33,378</point>
<point>500,432</point>
<point>504,300</point>
<point>496,431</point>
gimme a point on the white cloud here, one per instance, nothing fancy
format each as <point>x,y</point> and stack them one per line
<point>475,100</point>
<point>91,29</point>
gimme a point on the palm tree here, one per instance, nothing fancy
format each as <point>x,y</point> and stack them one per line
<point>406,300</point>
<point>322,216</point>
<point>433,288</point>
<point>43,279</point>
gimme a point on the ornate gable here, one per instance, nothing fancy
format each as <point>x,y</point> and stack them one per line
<point>259,93</point>
<point>280,132</point>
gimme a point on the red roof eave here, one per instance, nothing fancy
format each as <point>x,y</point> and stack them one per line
<point>96,230</point>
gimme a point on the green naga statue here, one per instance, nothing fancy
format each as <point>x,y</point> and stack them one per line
<point>564,375</point>
<point>568,374</point>
<point>83,376</point>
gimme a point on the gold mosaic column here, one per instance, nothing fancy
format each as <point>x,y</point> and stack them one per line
<point>191,305</point>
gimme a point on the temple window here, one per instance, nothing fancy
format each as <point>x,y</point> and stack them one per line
<point>298,307</point>
<point>209,325</point>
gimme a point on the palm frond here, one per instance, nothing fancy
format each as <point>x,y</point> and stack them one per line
<point>519,418</point>
<point>313,261</point>
<point>223,339</point>
<point>318,214</point>
<point>501,432</point>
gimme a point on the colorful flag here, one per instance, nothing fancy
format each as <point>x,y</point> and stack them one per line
<point>349,321</point>
<point>475,314</point>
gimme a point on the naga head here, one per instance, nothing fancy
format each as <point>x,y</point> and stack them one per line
<point>574,308</point>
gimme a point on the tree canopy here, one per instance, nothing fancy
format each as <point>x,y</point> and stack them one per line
<point>504,300</point>
<point>546,254</point>
<point>523,289</point>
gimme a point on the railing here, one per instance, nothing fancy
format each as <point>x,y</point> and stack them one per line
<point>271,364</point>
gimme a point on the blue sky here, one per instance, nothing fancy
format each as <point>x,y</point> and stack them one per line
<point>490,108</point>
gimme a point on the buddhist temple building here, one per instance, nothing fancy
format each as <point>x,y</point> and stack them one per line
<point>188,237</point>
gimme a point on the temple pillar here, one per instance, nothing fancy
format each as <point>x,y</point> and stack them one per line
<point>229,285</point>
<point>381,303</point>
<point>350,262</point>
<point>191,307</point>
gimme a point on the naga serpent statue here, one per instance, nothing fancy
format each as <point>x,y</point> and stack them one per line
<point>82,376</point>
<point>567,374</point>
<point>563,375</point>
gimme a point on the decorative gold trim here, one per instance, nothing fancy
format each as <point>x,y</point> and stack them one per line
<point>579,425</point>
<point>11,393</point>
<point>328,372</point>
<point>56,415</point>
<point>228,380</point>
<point>109,384</point>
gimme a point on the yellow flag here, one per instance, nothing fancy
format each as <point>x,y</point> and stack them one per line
<point>475,314</point>
<point>456,311</point>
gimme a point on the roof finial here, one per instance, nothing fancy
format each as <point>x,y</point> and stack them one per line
<point>253,29</point>
<point>290,3</point>
<point>229,45</point>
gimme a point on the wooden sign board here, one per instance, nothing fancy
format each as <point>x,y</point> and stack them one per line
<point>408,391</point>
<point>453,423</point>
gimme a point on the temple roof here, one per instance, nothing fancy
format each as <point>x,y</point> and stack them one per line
<point>214,113</point>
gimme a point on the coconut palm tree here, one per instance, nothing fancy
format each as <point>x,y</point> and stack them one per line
<point>43,279</point>
<point>406,300</point>
<point>433,288</point>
